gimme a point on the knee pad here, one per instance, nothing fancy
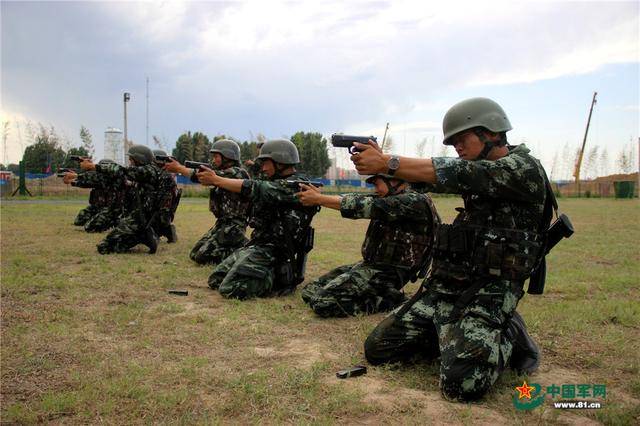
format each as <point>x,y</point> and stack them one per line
<point>372,350</point>
<point>452,381</point>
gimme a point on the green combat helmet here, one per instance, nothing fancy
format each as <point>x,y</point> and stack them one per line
<point>227,148</point>
<point>386,178</point>
<point>160,152</point>
<point>371,179</point>
<point>141,154</point>
<point>471,113</point>
<point>281,151</point>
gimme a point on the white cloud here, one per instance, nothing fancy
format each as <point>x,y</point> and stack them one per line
<point>607,44</point>
<point>326,66</point>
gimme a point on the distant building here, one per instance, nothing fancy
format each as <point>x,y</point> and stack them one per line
<point>114,145</point>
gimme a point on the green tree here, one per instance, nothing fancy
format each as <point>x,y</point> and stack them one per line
<point>312,147</point>
<point>248,150</point>
<point>87,142</point>
<point>81,151</point>
<point>45,153</point>
<point>201,147</point>
<point>12,167</point>
<point>184,148</point>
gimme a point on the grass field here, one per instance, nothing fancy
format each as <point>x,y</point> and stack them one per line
<point>91,339</point>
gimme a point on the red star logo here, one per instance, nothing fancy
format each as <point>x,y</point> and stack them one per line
<point>525,390</point>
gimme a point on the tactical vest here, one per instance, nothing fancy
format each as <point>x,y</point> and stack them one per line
<point>276,225</point>
<point>227,204</point>
<point>481,243</point>
<point>149,195</point>
<point>395,244</point>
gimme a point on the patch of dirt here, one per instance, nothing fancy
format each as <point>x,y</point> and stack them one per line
<point>428,405</point>
<point>302,353</point>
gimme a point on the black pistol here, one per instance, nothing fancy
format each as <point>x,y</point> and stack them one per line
<point>196,165</point>
<point>295,184</point>
<point>346,141</point>
<point>164,158</point>
<point>61,172</point>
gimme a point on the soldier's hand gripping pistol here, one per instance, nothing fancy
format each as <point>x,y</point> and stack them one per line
<point>346,141</point>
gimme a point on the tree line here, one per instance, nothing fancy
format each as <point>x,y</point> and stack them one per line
<point>50,151</point>
<point>312,147</point>
<point>47,153</point>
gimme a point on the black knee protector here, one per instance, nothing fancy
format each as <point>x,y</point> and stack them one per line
<point>525,358</point>
<point>451,381</point>
<point>373,347</point>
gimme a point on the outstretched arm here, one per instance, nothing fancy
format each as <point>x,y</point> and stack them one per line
<point>174,166</point>
<point>311,196</point>
<point>207,176</point>
<point>370,160</point>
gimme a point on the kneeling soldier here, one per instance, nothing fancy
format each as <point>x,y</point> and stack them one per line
<point>230,210</point>
<point>105,199</point>
<point>143,176</point>
<point>396,246</point>
<point>274,259</point>
<point>170,193</point>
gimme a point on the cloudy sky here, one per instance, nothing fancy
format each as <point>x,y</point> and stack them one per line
<point>242,68</point>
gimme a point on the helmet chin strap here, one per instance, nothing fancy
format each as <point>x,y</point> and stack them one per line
<point>488,144</point>
<point>279,168</point>
<point>226,163</point>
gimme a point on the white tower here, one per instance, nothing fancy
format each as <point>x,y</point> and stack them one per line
<point>114,145</point>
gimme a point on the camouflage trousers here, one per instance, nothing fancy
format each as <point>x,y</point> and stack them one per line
<point>471,341</point>
<point>355,289</point>
<point>247,273</point>
<point>85,215</point>
<point>104,219</point>
<point>126,235</point>
<point>162,224</point>
<point>219,242</point>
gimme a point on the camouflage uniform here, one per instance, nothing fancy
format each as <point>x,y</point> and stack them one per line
<point>168,194</point>
<point>397,242</point>
<point>92,209</point>
<point>86,213</point>
<point>105,199</point>
<point>232,215</point>
<point>141,206</point>
<point>479,267</point>
<point>280,223</point>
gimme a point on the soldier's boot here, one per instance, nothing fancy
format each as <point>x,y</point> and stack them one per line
<point>525,357</point>
<point>151,240</point>
<point>172,235</point>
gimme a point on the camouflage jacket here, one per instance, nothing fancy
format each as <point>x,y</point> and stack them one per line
<point>105,192</point>
<point>276,214</point>
<point>145,183</point>
<point>167,190</point>
<point>503,214</point>
<point>401,231</point>
<point>227,205</point>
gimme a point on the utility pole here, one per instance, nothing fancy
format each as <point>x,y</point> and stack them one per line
<point>126,98</point>
<point>576,172</point>
<point>147,134</point>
